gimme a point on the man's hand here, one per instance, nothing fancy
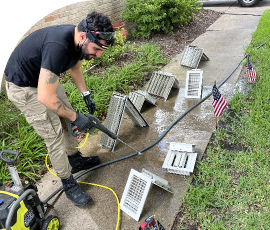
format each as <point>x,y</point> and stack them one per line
<point>90,104</point>
<point>82,122</point>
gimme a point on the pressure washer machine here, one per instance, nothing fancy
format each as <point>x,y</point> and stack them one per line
<point>20,206</point>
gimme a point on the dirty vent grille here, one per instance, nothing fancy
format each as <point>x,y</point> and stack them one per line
<point>135,194</point>
<point>113,120</point>
<point>161,84</point>
<point>139,97</point>
<point>192,55</point>
<point>118,105</point>
<point>134,114</point>
<point>194,84</point>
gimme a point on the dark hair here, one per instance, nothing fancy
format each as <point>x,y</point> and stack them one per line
<point>97,22</point>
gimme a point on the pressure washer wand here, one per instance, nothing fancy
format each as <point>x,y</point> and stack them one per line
<point>139,153</point>
<point>95,123</point>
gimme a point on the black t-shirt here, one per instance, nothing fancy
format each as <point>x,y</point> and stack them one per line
<point>51,48</point>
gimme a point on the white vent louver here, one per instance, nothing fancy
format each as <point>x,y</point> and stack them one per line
<point>158,181</point>
<point>139,97</point>
<point>194,83</point>
<point>118,105</point>
<point>161,83</point>
<point>192,55</point>
<point>180,159</point>
<point>135,194</point>
<point>137,188</point>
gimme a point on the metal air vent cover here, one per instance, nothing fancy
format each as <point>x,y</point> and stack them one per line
<point>139,97</point>
<point>194,83</point>
<point>192,55</point>
<point>161,83</point>
<point>137,189</point>
<point>178,161</point>
<point>135,194</point>
<point>118,105</point>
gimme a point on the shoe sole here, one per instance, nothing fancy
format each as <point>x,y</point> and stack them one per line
<point>84,204</point>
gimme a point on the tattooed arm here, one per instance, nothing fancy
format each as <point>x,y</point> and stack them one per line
<point>47,85</point>
<point>77,77</point>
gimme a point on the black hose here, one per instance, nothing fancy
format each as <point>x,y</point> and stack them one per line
<point>235,13</point>
<point>155,142</point>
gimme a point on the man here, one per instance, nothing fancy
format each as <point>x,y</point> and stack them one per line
<point>32,84</point>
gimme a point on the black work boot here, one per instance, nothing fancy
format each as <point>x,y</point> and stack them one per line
<point>74,193</point>
<point>79,163</point>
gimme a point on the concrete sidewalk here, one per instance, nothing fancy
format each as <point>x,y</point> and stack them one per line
<point>223,43</point>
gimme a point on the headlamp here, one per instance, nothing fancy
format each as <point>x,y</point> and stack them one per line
<point>107,36</point>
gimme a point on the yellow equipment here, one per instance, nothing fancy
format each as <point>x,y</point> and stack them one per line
<point>20,206</point>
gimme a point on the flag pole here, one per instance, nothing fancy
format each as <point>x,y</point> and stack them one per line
<point>156,222</point>
<point>216,116</point>
<point>247,71</point>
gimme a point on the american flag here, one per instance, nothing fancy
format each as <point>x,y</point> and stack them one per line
<point>219,102</point>
<point>251,73</point>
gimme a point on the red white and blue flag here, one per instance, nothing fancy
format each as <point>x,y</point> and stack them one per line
<point>251,73</point>
<point>219,102</point>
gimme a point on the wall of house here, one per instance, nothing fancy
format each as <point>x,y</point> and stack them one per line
<point>74,13</point>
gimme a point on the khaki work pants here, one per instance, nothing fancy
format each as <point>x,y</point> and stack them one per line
<point>52,128</point>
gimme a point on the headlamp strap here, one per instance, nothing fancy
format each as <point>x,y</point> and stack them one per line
<point>94,40</point>
<point>91,37</point>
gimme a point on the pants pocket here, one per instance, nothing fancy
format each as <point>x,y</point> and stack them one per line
<point>42,125</point>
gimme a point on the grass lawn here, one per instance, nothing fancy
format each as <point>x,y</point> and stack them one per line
<point>231,186</point>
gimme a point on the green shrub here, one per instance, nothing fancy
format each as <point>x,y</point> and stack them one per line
<point>159,15</point>
<point>113,53</point>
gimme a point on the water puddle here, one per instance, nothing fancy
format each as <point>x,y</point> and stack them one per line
<point>198,123</point>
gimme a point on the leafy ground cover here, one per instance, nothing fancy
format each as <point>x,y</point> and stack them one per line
<point>231,187</point>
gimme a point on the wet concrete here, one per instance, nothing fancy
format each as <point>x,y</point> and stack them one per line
<point>223,44</point>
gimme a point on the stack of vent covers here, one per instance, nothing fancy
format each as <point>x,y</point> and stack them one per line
<point>137,188</point>
<point>192,55</point>
<point>159,87</point>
